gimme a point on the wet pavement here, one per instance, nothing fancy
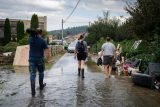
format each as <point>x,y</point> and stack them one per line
<point>65,89</point>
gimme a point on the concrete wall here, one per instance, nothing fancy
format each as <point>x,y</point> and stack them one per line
<point>21,56</point>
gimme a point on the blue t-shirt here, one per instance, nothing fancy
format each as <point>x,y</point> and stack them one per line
<point>37,46</point>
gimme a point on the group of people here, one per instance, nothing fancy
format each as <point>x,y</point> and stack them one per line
<point>39,50</point>
<point>108,52</point>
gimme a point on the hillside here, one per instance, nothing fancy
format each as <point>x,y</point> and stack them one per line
<point>69,31</point>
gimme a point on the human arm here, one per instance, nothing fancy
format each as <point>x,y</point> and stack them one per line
<point>75,51</point>
<point>114,52</point>
<point>46,51</point>
<point>46,54</point>
<point>100,54</point>
<point>86,49</point>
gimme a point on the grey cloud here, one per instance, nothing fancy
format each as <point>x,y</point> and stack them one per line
<point>13,6</point>
<point>25,8</point>
<point>20,6</point>
<point>112,5</point>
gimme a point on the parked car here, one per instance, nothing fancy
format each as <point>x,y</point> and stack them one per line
<point>71,47</point>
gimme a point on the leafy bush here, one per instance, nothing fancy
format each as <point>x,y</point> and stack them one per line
<point>10,47</point>
<point>156,55</point>
<point>126,47</point>
<point>52,43</point>
<point>23,41</point>
<point>96,47</point>
<point>1,49</point>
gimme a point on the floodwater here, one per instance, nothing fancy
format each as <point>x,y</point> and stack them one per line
<point>65,89</point>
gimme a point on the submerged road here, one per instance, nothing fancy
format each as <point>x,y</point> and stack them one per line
<point>65,89</point>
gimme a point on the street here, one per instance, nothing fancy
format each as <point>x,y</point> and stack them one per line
<point>65,89</point>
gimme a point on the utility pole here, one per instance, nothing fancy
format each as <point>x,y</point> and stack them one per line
<point>62,31</point>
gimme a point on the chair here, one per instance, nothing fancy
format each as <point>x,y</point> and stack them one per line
<point>147,79</point>
<point>132,66</point>
<point>135,66</point>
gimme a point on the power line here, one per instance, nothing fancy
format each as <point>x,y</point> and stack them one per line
<point>72,11</point>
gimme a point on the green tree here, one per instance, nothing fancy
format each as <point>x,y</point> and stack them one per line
<point>20,30</point>
<point>146,17</point>
<point>47,40</point>
<point>7,31</point>
<point>44,34</point>
<point>24,40</point>
<point>10,47</point>
<point>102,28</point>
<point>59,36</point>
<point>125,30</point>
<point>34,21</point>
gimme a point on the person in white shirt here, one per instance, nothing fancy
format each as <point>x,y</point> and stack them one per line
<point>108,53</point>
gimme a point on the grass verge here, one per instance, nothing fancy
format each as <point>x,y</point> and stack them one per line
<point>54,59</point>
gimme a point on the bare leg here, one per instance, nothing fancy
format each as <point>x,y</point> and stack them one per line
<point>106,70</point>
<point>79,68</point>
<point>82,64</point>
<point>79,64</point>
<point>82,67</point>
<point>109,70</point>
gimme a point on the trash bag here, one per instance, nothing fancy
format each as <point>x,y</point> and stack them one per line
<point>99,61</point>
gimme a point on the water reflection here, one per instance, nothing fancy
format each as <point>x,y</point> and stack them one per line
<point>68,90</point>
<point>80,92</point>
<point>21,69</point>
<point>37,101</point>
<point>92,66</point>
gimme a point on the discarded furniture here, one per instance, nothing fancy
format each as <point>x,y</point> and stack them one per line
<point>119,67</point>
<point>147,79</point>
<point>131,67</point>
<point>135,67</point>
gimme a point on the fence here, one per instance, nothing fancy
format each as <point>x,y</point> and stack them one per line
<point>56,49</point>
<point>6,59</point>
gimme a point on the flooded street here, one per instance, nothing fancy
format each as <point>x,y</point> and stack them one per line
<point>65,89</point>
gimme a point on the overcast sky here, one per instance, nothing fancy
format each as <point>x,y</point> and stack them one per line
<point>86,11</point>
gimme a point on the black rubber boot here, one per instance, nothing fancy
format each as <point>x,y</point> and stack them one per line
<point>79,72</point>
<point>41,84</point>
<point>33,88</point>
<point>82,73</point>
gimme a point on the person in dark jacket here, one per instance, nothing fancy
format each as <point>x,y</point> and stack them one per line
<point>38,49</point>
